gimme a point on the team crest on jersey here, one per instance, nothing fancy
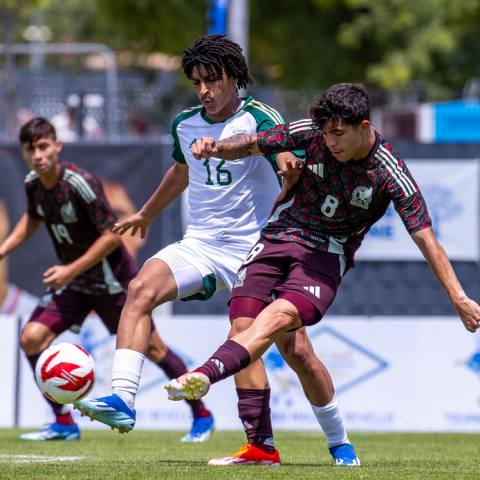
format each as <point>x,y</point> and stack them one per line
<point>40,210</point>
<point>240,279</point>
<point>68,213</point>
<point>316,168</point>
<point>361,197</point>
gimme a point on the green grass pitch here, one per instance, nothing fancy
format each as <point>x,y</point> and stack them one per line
<point>160,455</point>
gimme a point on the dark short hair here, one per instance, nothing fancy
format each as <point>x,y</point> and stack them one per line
<point>36,129</point>
<point>345,103</point>
<point>217,53</point>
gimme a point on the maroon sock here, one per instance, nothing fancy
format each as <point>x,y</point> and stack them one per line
<point>228,360</point>
<point>65,419</point>
<point>174,367</point>
<point>61,412</point>
<point>254,412</point>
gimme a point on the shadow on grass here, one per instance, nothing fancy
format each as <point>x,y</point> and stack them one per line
<point>180,463</point>
<point>203,464</point>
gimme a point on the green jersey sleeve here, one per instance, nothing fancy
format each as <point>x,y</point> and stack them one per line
<point>177,152</point>
<point>268,118</point>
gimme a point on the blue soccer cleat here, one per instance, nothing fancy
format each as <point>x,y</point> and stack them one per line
<point>111,411</point>
<point>344,455</point>
<point>56,431</point>
<point>201,429</point>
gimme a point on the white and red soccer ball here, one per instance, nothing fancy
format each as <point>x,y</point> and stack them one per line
<point>65,373</point>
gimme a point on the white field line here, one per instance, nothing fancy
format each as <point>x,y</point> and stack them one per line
<point>35,458</point>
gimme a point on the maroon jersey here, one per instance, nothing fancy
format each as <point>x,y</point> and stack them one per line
<point>76,212</point>
<point>335,204</point>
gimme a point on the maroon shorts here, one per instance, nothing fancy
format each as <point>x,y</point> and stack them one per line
<point>276,269</point>
<point>68,310</point>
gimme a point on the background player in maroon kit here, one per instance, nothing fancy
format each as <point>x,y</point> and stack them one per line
<point>351,176</point>
<point>95,267</point>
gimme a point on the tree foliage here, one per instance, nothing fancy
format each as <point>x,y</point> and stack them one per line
<point>391,44</point>
<point>411,39</point>
<point>384,43</point>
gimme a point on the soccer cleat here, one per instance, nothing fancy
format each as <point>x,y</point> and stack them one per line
<point>191,386</point>
<point>248,455</point>
<point>344,455</point>
<point>56,431</point>
<point>111,411</point>
<point>201,429</point>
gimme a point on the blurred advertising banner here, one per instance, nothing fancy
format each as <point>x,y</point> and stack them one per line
<point>456,121</point>
<point>390,374</point>
<point>9,325</point>
<point>451,190</point>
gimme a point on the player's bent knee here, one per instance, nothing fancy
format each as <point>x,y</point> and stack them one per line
<point>31,343</point>
<point>282,315</point>
<point>297,350</point>
<point>142,293</point>
<point>298,356</point>
<point>239,325</point>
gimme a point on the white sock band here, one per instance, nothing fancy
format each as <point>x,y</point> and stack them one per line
<point>331,421</point>
<point>126,371</point>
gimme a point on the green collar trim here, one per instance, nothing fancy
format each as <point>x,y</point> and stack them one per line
<point>203,112</point>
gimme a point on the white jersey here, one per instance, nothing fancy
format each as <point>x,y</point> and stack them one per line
<point>229,201</point>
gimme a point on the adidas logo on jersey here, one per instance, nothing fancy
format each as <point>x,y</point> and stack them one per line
<point>317,169</point>
<point>68,213</point>
<point>313,290</point>
<point>40,210</point>
<point>219,364</point>
<point>192,142</point>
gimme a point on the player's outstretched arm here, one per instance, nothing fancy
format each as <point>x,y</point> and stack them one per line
<point>24,229</point>
<point>173,184</point>
<point>232,148</point>
<point>437,259</point>
<point>58,276</point>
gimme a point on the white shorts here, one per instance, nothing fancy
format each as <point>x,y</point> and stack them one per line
<point>202,267</point>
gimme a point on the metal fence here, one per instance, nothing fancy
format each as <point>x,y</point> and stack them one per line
<point>82,106</point>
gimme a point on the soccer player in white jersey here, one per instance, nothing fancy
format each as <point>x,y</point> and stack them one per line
<point>228,208</point>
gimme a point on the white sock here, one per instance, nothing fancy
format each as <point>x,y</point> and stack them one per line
<point>126,371</point>
<point>331,421</point>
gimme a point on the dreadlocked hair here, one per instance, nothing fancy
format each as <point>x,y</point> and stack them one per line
<point>217,53</point>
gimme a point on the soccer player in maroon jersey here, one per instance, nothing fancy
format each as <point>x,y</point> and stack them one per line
<point>350,177</point>
<point>216,67</point>
<point>95,267</point>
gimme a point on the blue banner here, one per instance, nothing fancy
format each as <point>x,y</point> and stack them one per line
<point>217,16</point>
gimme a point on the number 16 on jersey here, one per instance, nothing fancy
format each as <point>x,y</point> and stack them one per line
<point>221,180</point>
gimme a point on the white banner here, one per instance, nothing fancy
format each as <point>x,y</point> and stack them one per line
<point>8,370</point>
<point>390,373</point>
<point>451,190</point>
